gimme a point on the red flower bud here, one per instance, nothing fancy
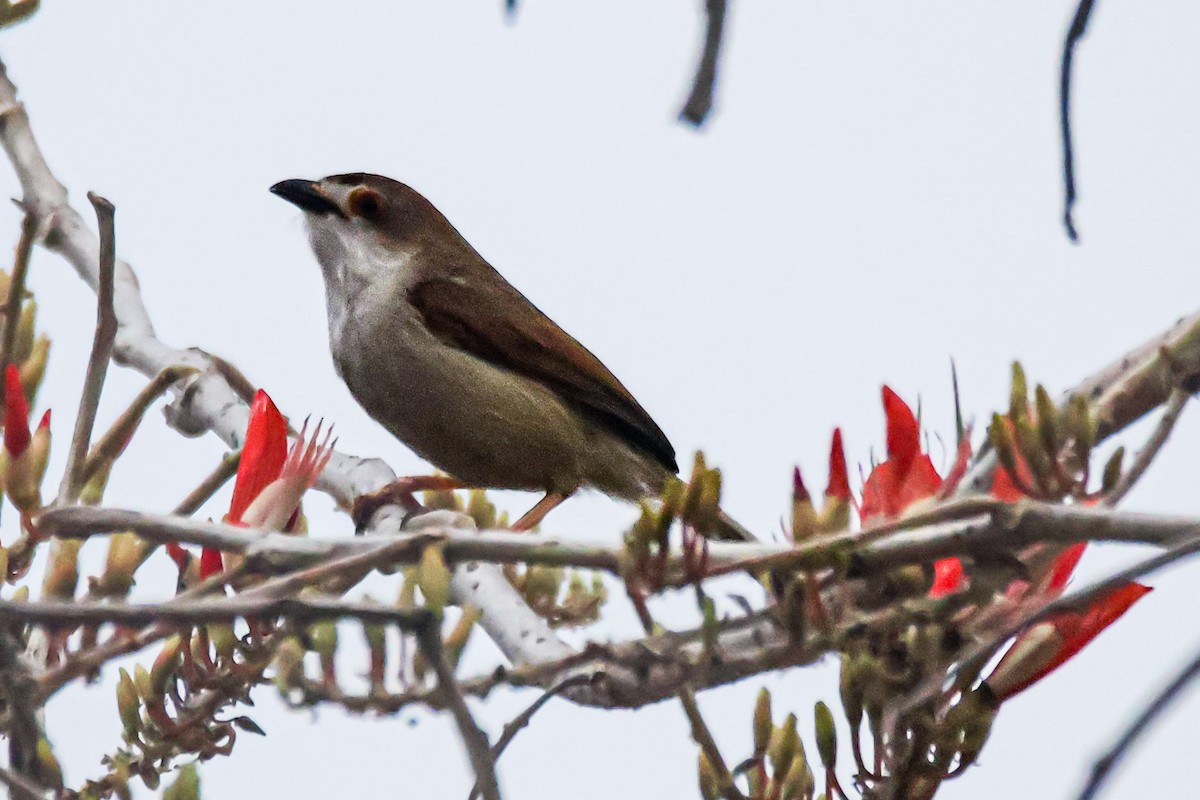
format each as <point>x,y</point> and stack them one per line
<point>16,413</point>
<point>263,454</point>
<point>839,479</point>
<point>211,562</point>
<point>903,436</point>
<point>799,491</point>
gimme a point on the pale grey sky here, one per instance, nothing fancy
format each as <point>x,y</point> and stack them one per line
<point>878,191</point>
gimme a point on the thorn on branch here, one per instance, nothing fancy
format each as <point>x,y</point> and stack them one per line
<point>699,103</point>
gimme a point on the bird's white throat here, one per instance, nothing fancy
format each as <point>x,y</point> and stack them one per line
<point>358,268</point>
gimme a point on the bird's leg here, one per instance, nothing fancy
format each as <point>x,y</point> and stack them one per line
<point>538,513</point>
<point>399,492</point>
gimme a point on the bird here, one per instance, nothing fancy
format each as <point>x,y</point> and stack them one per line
<point>457,364</point>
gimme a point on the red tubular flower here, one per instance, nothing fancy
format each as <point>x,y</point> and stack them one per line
<point>908,475</point>
<point>839,479</point>
<point>1049,644</point>
<point>16,414</point>
<point>262,460</point>
<point>178,555</point>
<point>903,433</point>
<point>1064,567</point>
<point>211,562</point>
<point>276,507</point>
<point>263,454</point>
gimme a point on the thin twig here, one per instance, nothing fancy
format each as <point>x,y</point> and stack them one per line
<point>704,738</point>
<point>16,289</point>
<point>204,610</point>
<point>429,639</point>
<point>102,348</point>
<point>1078,27</point>
<point>276,588</point>
<point>1104,766</point>
<point>1120,393</point>
<point>523,719</point>
<point>210,485</point>
<point>700,101</point>
<point>114,440</point>
<point>701,734</point>
<point>16,685</point>
<point>91,659</point>
<point>1145,456</point>
<point>20,787</point>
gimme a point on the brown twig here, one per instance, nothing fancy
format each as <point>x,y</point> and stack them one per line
<point>700,100</point>
<point>704,738</point>
<point>102,348</point>
<point>429,639</point>
<point>210,485</point>
<point>16,289</point>
<point>701,734</point>
<point>91,659</point>
<point>16,684</point>
<point>110,445</point>
<point>20,787</point>
<point>1145,456</point>
<point>523,719</point>
<point>1122,392</point>
<point>280,587</point>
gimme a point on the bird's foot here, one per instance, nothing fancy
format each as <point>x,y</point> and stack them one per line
<point>400,492</point>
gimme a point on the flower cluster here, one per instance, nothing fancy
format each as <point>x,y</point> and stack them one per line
<point>908,478</point>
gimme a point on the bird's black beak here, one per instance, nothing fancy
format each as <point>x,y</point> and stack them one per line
<point>305,194</point>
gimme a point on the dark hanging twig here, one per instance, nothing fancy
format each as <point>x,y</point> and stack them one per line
<point>1104,765</point>
<point>700,101</point>
<point>1078,27</point>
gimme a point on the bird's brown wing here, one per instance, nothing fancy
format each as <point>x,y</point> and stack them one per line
<point>518,337</point>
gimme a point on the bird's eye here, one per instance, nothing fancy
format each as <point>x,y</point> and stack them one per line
<point>364,202</point>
